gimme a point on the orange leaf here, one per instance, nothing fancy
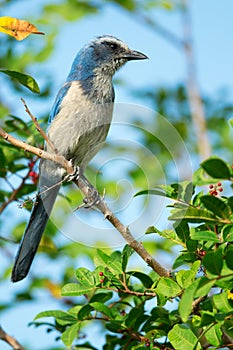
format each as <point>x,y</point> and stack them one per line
<point>17,28</point>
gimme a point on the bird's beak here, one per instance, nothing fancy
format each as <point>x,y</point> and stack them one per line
<point>134,55</point>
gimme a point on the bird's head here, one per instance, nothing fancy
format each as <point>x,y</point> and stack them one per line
<point>105,55</point>
<point>110,53</point>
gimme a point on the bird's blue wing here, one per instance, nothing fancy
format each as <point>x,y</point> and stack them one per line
<point>56,106</point>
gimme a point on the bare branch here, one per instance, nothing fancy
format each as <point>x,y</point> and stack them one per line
<point>14,193</point>
<point>195,101</point>
<point>88,190</point>
<point>10,340</point>
<point>160,29</point>
<point>38,127</point>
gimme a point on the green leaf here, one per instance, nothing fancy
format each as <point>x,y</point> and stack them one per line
<point>229,257</point>
<point>85,277</point>
<point>214,335</point>
<point>70,334</point>
<point>169,191</point>
<point>101,297</point>
<point>145,279</point>
<point>221,302</point>
<point>185,305</point>
<point>183,259</point>
<point>23,79</point>
<point>216,206</point>
<point>182,338</point>
<point>114,264</point>
<point>85,311</point>
<point>216,168</point>
<point>204,286</point>
<point>104,258</point>
<point>58,314</point>
<point>227,233</point>
<point>74,289</point>
<point>187,277</point>
<point>213,262</point>
<point>194,215</point>
<point>132,316</point>
<point>167,287</point>
<point>182,230</point>
<point>204,236</point>
<point>126,253</point>
<point>100,307</point>
<point>168,234</point>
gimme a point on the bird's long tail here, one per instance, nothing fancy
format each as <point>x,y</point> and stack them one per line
<point>33,233</point>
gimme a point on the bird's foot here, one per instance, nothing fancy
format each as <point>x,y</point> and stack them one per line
<point>75,175</point>
<point>92,199</point>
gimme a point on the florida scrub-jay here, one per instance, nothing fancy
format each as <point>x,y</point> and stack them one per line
<point>78,125</point>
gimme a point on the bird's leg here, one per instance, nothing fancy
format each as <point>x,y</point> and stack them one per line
<point>93,196</point>
<point>76,173</point>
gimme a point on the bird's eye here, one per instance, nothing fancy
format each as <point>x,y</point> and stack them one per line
<point>113,46</point>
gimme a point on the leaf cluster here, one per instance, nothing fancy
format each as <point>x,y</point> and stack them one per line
<point>135,308</point>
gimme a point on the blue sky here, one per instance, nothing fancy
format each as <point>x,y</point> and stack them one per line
<point>213,28</point>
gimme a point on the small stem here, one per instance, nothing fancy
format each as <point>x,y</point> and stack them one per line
<point>38,127</point>
<point>10,340</point>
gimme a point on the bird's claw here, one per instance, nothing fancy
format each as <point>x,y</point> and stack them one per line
<point>92,199</point>
<point>74,176</point>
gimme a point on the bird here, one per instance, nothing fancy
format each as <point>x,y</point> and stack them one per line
<point>78,125</point>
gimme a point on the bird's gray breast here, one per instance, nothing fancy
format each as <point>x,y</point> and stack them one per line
<point>81,126</point>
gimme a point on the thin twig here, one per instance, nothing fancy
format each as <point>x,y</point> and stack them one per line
<point>38,127</point>
<point>87,189</point>
<point>160,29</point>
<point>10,340</point>
<point>14,193</point>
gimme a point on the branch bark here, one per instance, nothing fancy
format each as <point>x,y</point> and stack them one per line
<point>10,340</point>
<point>195,101</point>
<point>88,190</point>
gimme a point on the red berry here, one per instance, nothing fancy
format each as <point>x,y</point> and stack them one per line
<point>220,189</point>
<point>101,281</point>
<point>31,164</point>
<point>101,273</point>
<point>211,186</point>
<point>202,253</point>
<point>32,173</point>
<point>147,345</point>
<point>219,184</point>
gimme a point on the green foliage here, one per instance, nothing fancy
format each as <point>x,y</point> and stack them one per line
<point>201,290</point>
<point>136,308</point>
<point>23,79</point>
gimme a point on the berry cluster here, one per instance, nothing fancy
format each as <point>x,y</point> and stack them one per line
<point>215,189</point>
<point>101,274</point>
<point>32,174</point>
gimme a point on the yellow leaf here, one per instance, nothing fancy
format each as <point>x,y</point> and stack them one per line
<point>17,28</point>
<point>54,289</point>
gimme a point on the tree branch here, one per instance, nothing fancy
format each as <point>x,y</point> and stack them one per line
<point>195,101</point>
<point>38,127</point>
<point>88,190</point>
<point>10,340</point>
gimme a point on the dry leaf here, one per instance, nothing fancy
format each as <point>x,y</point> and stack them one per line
<point>17,28</point>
